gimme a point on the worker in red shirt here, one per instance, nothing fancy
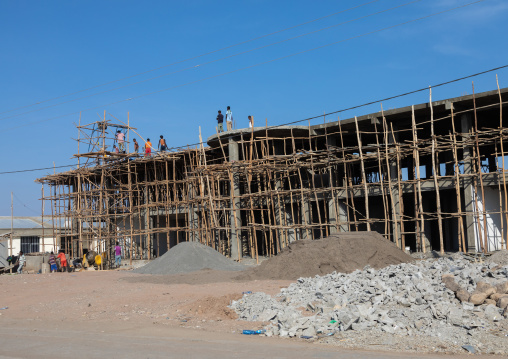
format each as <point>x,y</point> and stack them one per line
<point>63,260</point>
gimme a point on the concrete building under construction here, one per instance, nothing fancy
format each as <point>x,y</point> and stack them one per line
<point>428,177</point>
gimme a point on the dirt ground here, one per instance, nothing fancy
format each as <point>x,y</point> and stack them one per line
<point>193,304</point>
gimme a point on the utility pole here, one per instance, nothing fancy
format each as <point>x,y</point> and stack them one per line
<point>12,222</point>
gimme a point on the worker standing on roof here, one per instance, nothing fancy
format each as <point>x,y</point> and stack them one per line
<point>220,120</point>
<point>162,144</point>
<point>120,137</point>
<point>251,121</point>
<point>136,146</point>
<point>229,119</point>
<point>148,147</point>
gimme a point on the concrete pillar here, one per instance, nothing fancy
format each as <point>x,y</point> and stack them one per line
<point>342,207</point>
<point>466,124</point>
<point>235,204</point>
<point>305,215</point>
<point>395,190</point>
<point>278,207</point>
<point>332,211</point>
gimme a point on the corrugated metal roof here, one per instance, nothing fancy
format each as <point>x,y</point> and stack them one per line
<point>23,223</point>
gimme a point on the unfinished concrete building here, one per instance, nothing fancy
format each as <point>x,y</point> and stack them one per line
<point>427,177</point>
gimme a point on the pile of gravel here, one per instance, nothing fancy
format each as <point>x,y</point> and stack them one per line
<point>189,257</point>
<point>405,300</point>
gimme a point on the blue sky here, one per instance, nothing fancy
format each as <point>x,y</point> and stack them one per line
<point>54,48</point>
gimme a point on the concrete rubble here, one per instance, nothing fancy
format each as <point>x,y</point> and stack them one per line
<point>448,298</point>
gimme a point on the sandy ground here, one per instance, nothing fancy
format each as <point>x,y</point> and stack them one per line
<point>48,313</point>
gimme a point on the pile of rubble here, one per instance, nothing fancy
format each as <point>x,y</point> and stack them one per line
<point>449,298</point>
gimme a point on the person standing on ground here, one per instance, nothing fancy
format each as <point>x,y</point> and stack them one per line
<point>148,147</point>
<point>229,119</point>
<point>120,137</point>
<point>220,120</point>
<point>118,255</point>
<point>52,263</point>
<point>162,144</point>
<point>136,146</point>
<point>63,260</point>
<point>21,262</point>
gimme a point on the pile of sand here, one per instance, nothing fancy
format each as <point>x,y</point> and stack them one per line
<point>189,257</point>
<point>343,252</point>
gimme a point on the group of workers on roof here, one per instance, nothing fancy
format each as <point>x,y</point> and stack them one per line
<point>229,120</point>
<point>147,149</point>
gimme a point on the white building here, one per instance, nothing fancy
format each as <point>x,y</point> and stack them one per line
<point>29,234</point>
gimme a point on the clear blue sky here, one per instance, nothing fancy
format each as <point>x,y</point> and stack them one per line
<point>53,48</point>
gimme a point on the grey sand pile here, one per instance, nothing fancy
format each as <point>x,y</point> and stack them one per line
<point>189,257</point>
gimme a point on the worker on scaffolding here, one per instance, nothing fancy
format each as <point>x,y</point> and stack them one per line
<point>120,137</point>
<point>136,146</point>
<point>220,120</point>
<point>115,149</point>
<point>148,148</point>
<point>162,146</point>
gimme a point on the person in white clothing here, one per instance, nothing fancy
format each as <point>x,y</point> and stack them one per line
<point>229,119</point>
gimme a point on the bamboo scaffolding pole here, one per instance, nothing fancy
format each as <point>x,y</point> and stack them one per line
<point>418,180</point>
<point>504,168</point>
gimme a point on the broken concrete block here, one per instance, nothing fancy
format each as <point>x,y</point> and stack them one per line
<point>503,302</point>
<point>492,313</point>
<point>502,288</point>
<point>477,298</point>
<point>496,296</point>
<point>489,301</point>
<point>450,283</point>
<point>484,287</point>
<point>462,295</point>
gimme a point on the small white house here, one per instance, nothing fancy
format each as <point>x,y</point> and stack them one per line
<point>29,234</point>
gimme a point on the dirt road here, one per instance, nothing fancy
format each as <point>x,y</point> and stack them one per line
<point>118,314</point>
<point>67,340</point>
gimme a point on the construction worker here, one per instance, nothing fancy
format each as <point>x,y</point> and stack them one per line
<point>229,119</point>
<point>251,121</point>
<point>136,146</point>
<point>120,137</point>
<point>220,120</point>
<point>21,262</point>
<point>63,260</point>
<point>162,144</point>
<point>115,149</point>
<point>148,147</point>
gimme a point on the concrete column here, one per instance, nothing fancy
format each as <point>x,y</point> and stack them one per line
<point>278,207</point>
<point>395,190</point>
<point>332,212</point>
<point>466,124</point>
<point>305,214</point>
<point>235,204</point>
<point>343,227</point>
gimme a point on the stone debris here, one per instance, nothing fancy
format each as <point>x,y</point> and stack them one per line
<point>448,298</point>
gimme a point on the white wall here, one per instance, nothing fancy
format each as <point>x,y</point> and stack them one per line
<point>50,244</point>
<point>494,235</point>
